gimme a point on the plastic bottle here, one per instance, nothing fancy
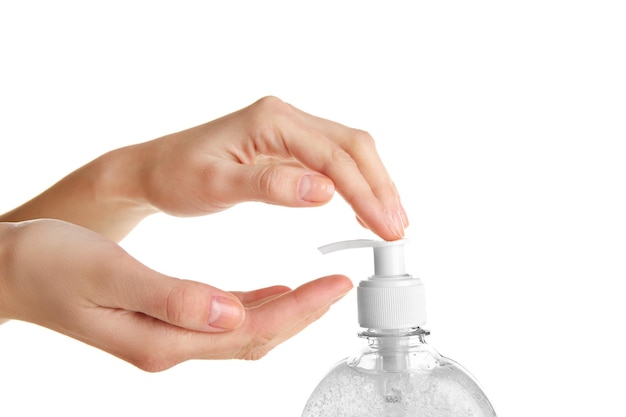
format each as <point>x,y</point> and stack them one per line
<point>396,374</point>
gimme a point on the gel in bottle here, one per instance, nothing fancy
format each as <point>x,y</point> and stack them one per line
<point>395,374</point>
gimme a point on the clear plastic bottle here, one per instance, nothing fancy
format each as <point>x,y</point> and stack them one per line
<point>396,374</point>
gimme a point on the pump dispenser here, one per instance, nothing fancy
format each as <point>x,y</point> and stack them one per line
<point>396,374</point>
<point>391,298</point>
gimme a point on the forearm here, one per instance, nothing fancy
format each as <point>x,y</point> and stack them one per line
<point>104,196</point>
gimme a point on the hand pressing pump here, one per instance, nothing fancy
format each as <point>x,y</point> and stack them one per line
<point>396,374</point>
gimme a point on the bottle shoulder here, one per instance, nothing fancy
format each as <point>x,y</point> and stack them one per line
<point>396,358</point>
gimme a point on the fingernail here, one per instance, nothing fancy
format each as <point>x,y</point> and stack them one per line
<point>225,313</point>
<point>315,188</point>
<point>396,223</point>
<point>404,217</point>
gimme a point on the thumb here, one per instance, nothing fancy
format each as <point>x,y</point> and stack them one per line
<point>184,303</point>
<point>283,185</point>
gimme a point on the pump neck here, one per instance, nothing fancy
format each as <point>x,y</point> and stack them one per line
<point>395,351</point>
<point>395,334</point>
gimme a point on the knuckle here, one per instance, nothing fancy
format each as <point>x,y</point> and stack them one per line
<point>259,344</point>
<point>270,182</point>
<point>360,139</point>
<point>188,303</point>
<point>174,304</point>
<point>257,354</point>
<point>266,114</point>
<point>258,348</point>
<point>342,158</point>
<point>270,105</point>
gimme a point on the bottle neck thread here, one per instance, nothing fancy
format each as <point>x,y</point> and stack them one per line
<point>395,351</point>
<point>418,332</point>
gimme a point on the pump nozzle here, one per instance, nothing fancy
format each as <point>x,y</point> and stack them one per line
<point>391,298</point>
<point>388,256</point>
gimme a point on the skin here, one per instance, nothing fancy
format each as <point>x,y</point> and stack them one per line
<point>60,265</point>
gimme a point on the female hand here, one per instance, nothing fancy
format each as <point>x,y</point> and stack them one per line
<point>274,153</point>
<point>270,152</point>
<point>81,284</point>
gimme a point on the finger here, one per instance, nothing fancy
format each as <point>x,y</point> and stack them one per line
<point>257,297</point>
<point>272,322</point>
<point>349,158</point>
<point>284,316</point>
<point>281,184</point>
<point>361,147</point>
<point>187,304</point>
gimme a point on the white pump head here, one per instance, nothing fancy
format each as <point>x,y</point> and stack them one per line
<point>391,298</point>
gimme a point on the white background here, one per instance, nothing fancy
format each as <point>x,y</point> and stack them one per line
<point>502,124</point>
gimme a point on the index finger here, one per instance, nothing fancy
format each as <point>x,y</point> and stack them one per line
<point>350,159</point>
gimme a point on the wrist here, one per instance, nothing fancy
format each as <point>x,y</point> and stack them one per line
<point>120,179</point>
<point>120,188</point>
